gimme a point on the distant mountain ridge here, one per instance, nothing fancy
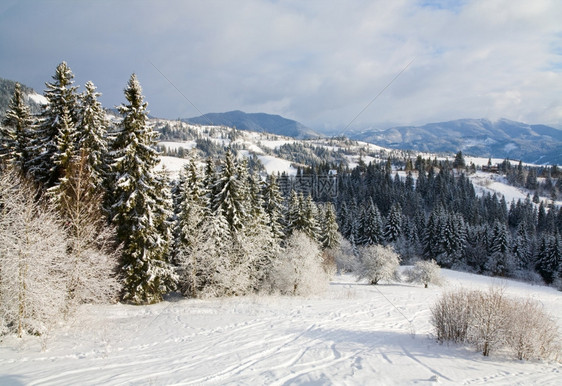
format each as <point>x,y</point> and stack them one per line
<point>479,137</point>
<point>258,122</point>
<point>7,92</point>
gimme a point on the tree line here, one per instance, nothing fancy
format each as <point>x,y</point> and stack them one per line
<point>435,213</point>
<point>120,229</point>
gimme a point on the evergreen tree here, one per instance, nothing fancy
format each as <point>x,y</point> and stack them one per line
<point>432,246</point>
<point>372,225</point>
<point>56,131</point>
<point>192,211</point>
<point>230,193</point>
<point>459,162</point>
<point>549,258</point>
<point>92,133</point>
<point>273,205</point>
<point>15,132</point>
<point>330,235</point>
<point>521,248</point>
<point>500,262</point>
<point>293,213</point>
<point>393,226</point>
<point>309,219</point>
<point>139,210</point>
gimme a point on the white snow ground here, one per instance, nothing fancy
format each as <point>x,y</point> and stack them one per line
<point>351,335</point>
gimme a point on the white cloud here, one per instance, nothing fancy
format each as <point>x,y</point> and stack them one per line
<point>318,62</point>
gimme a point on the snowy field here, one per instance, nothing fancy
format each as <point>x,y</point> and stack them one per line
<point>351,335</point>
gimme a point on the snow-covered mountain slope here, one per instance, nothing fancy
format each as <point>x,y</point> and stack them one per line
<point>349,152</point>
<point>355,334</point>
<point>194,139</point>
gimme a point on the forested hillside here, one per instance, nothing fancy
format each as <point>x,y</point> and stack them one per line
<point>85,204</point>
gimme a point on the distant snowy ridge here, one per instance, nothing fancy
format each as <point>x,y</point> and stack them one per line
<point>479,137</point>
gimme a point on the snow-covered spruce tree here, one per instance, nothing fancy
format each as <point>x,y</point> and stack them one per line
<point>33,261</point>
<point>192,209</point>
<point>230,193</point>
<point>425,272</point>
<point>257,242</point>
<point>453,240</point>
<point>500,262</point>
<point>56,127</point>
<point>549,259</point>
<point>273,205</point>
<point>214,273</point>
<point>137,199</point>
<point>393,226</point>
<point>378,263</point>
<point>92,134</point>
<point>302,215</point>
<point>293,213</point>
<point>331,237</point>
<point>432,246</point>
<point>298,269</point>
<point>372,225</point>
<point>15,132</point>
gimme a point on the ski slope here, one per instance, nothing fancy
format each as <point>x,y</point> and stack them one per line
<point>351,335</point>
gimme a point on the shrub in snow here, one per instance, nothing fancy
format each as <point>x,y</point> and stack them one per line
<point>533,334</point>
<point>490,321</point>
<point>298,269</point>
<point>451,316</point>
<point>488,329</point>
<point>33,261</point>
<point>329,262</point>
<point>345,258</point>
<point>425,272</point>
<point>378,263</point>
<point>93,256</point>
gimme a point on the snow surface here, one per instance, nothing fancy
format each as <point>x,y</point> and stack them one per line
<point>277,165</point>
<point>172,164</point>
<point>494,183</point>
<point>38,98</point>
<point>187,145</point>
<point>352,335</point>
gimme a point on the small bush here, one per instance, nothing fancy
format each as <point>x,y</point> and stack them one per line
<point>298,270</point>
<point>378,263</point>
<point>490,321</point>
<point>425,272</point>
<point>451,316</point>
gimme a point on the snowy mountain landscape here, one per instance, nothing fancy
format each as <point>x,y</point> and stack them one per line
<point>140,250</point>
<point>352,334</point>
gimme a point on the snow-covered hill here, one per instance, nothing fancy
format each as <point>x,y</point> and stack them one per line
<point>355,334</point>
<point>350,152</point>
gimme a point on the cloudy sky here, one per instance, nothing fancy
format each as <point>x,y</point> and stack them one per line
<point>318,62</point>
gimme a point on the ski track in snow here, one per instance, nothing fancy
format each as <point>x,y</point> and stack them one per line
<point>349,336</point>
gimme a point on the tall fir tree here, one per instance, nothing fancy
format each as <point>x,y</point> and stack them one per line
<point>331,238</point>
<point>92,133</point>
<point>15,131</point>
<point>139,205</point>
<point>372,225</point>
<point>230,193</point>
<point>393,226</point>
<point>56,128</point>
<point>273,205</point>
